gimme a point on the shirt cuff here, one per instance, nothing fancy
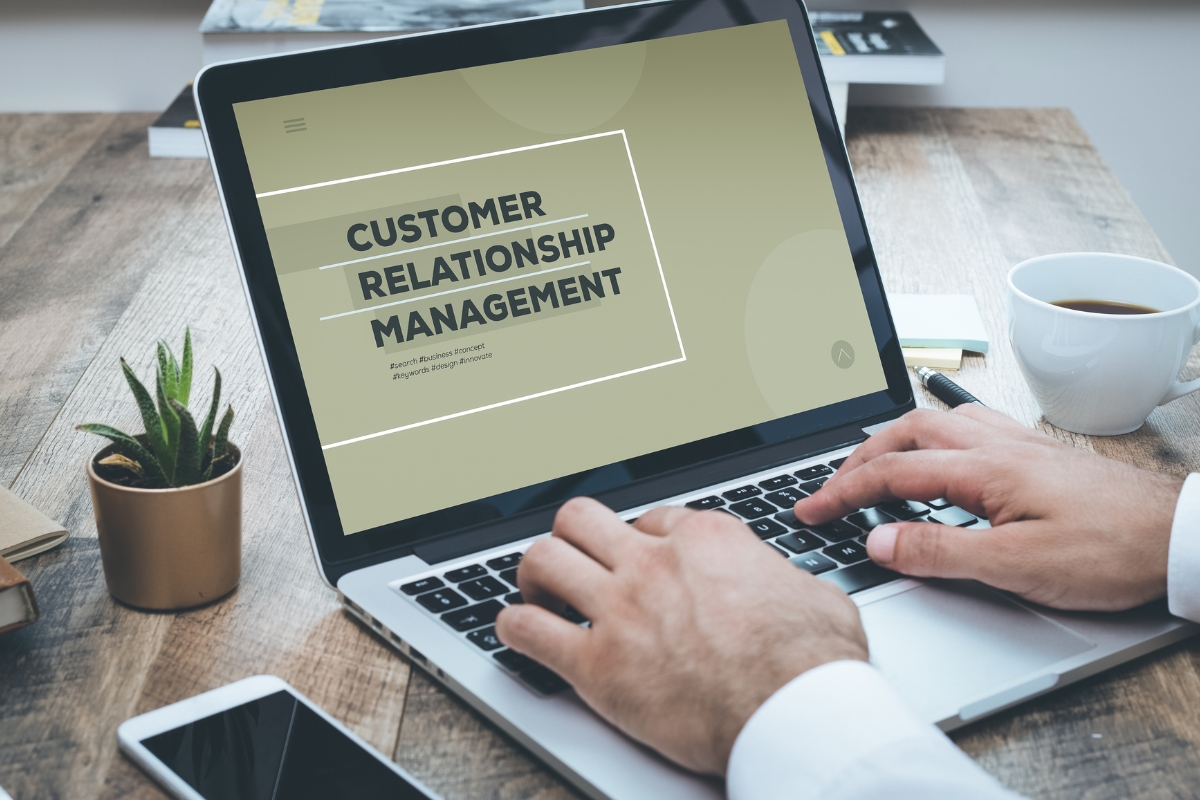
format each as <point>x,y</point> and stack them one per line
<point>1183,558</point>
<point>815,729</point>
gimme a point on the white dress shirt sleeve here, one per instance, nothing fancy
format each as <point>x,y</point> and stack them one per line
<point>839,732</point>
<point>1183,559</point>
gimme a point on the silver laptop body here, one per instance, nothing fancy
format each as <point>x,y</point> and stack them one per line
<point>955,651</point>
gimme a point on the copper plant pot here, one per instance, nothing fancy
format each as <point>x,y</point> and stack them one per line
<point>169,549</point>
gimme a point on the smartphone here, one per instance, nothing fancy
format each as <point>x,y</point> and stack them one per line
<point>260,739</point>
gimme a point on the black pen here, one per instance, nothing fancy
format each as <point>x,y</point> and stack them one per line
<point>944,389</point>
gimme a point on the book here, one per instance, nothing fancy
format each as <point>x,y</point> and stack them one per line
<point>938,320</point>
<point>876,47</point>
<point>177,134</point>
<point>246,28</point>
<point>25,531</point>
<point>18,606</point>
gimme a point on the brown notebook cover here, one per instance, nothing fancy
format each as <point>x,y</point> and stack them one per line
<point>18,607</point>
<point>25,531</point>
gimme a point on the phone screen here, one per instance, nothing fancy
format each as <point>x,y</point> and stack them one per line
<point>275,748</point>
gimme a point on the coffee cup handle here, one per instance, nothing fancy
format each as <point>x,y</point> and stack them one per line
<point>1178,389</point>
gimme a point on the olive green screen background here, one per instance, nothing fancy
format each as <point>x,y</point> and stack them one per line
<point>727,279</point>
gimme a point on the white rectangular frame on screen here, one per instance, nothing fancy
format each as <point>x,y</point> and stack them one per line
<point>653,246</point>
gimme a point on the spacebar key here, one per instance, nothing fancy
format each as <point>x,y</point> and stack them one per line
<point>858,577</point>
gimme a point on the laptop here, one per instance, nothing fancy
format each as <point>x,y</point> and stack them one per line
<point>615,253</point>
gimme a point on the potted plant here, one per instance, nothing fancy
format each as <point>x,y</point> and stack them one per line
<point>168,502</point>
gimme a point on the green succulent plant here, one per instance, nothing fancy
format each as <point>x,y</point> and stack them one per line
<point>173,452</point>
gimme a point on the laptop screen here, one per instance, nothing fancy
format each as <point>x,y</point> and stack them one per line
<point>501,275</point>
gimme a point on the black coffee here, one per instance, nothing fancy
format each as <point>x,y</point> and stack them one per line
<point>1104,307</point>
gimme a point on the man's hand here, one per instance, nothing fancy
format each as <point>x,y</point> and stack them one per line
<point>1070,529</point>
<point>694,623</point>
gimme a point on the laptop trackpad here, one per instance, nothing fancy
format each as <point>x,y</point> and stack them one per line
<point>948,643</point>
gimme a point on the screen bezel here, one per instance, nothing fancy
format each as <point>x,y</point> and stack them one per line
<point>526,511</point>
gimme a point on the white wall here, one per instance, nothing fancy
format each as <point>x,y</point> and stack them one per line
<point>97,55</point>
<point>1128,70</point>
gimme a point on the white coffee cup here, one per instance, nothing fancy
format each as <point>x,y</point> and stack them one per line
<point>1102,373</point>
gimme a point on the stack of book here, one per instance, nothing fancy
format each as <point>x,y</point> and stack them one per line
<point>24,532</point>
<point>873,47</point>
<point>855,47</point>
<point>246,28</point>
<point>234,29</point>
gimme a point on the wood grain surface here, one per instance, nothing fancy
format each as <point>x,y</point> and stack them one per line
<point>103,250</point>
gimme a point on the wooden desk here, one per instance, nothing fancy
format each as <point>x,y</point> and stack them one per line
<point>102,250</point>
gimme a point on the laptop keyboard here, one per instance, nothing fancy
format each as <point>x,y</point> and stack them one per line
<point>468,598</point>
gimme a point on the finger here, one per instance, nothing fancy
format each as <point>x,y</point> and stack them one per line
<point>1002,423</point>
<point>921,475</point>
<point>545,637</point>
<point>553,572</point>
<point>662,520</point>
<point>929,550</point>
<point>922,429</point>
<point>967,426</point>
<point>592,528</point>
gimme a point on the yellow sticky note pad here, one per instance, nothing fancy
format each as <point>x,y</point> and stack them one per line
<point>936,357</point>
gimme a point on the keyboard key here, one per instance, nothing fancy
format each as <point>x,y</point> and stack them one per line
<point>836,531</point>
<point>846,552</point>
<point>858,577</point>
<point>766,528</point>
<point>785,498</point>
<point>631,521</point>
<point>485,638</point>
<point>543,680</point>
<point>423,585</point>
<point>505,562</point>
<point>778,482</point>
<point>779,550</point>
<point>837,463</point>
<point>442,600</point>
<point>510,575</point>
<point>483,588</point>
<point>514,599</point>
<point>753,509</point>
<point>815,471</point>
<point>813,563</point>
<point>705,503</point>
<point>870,518</point>
<point>571,615</point>
<point>789,518</point>
<point>476,616</point>
<point>812,486</point>
<point>801,541</point>
<point>953,516</point>
<point>513,660</point>
<point>466,573</point>
<point>905,509</point>
<point>938,504</point>
<point>742,492</point>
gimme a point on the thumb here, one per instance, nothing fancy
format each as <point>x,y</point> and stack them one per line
<point>930,550</point>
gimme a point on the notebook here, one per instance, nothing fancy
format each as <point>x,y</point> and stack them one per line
<point>938,320</point>
<point>25,531</point>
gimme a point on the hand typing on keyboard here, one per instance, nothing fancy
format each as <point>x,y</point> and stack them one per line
<point>694,623</point>
<point>1070,529</point>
